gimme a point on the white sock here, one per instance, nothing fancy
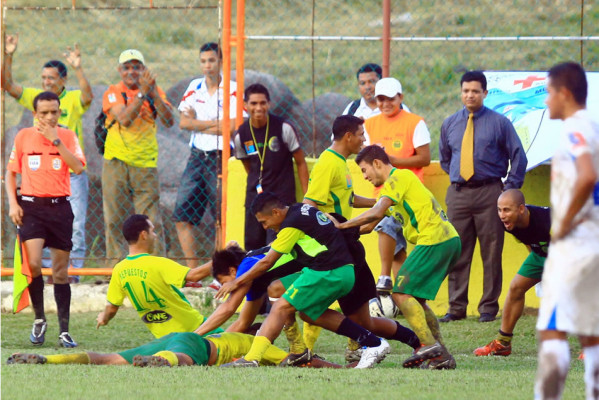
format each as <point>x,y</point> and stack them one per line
<point>552,369</point>
<point>591,371</point>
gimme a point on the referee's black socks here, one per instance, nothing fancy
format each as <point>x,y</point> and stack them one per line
<point>62,296</point>
<point>36,294</point>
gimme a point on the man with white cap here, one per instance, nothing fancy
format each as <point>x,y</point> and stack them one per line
<point>406,140</point>
<point>129,174</point>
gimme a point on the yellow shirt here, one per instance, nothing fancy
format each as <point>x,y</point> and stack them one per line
<point>136,144</point>
<point>71,109</point>
<point>330,185</point>
<point>152,285</point>
<point>424,221</point>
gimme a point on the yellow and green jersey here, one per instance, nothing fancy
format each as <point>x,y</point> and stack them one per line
<point>330,185</point>
<point>152,285</point>
<point>71,109</point>
<point>424,221</point>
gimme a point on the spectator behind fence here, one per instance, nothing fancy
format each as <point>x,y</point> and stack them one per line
<point>129,174</point>
<point>73,104</point>
<point>267,146</point>
<point>406,140</point>
<point>201,113</point>
<point>365,107</point>
<point>42,155</point>
<point>475,169</point>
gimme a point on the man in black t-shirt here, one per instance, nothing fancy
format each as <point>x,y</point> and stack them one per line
<point>530,225</point>
<point>267,146</point>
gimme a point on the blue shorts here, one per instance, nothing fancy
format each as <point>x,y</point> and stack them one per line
<point>198,187</point>
<point>393,228</point>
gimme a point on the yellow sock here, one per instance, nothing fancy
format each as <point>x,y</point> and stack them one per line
<point>311,333</point>
<point>273,355</point>
<point>505,340</point>
<point>169,356</point>
<point>433,324</point>
<point>295,339</point>
<point>414,313</point>
<point>259,347</point>
<point>77,358</point>
<point>353,345</point>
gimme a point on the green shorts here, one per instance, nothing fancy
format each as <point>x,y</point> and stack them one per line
<point>314,291</point>
<point>192,344</point>
<point>425,268</point>
<point>532,267</point>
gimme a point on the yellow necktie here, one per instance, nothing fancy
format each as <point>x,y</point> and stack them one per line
<point>467,155</point>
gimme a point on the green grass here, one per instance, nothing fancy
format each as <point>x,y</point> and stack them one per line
<point>475,378</point>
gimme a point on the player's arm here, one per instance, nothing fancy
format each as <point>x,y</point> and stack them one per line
<point>13,88</point>
<point>376,213</point>
<point>224,311</point>
<point>188,121</point>
<point>248,314</point>
<point>363,202</point>
<point>105,316</point>
<point>199,273</point>
<point>15,212</point>
<point>583,187</point>
<point>258,269</point>
<point>420,158</point>
<point>73,57</point>
<point>302,169</point>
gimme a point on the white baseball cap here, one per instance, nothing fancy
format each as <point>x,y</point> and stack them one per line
<point>387,87</point>
<point>130,55</point>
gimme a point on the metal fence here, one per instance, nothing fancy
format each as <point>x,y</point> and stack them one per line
<point>305,52</point>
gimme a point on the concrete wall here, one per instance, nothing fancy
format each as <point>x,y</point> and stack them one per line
<point>536,190</point>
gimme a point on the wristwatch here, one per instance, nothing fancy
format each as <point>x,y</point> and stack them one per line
<point>56,142</point>
<point>141,96</point>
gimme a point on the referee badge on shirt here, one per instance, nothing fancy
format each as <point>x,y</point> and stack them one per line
<point>56,163</point>
<point>34,162</point>
<point>111,98</point>
<point>250,148</point>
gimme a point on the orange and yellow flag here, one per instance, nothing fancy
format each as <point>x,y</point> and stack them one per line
<point>21,276</point>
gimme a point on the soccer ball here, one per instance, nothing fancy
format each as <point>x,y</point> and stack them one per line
<point>383,306</point>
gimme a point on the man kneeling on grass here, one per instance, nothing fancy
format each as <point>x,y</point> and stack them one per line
<point>438,247</point>
<point>181,348</point>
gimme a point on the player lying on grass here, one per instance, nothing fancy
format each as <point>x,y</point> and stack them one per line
<point>182,349</point>
<point>327,276</point>
<point>530,225</point>
<point>438,246</point>
<point>151,283</point>
<point>354,305</point>
<point>233,261</point>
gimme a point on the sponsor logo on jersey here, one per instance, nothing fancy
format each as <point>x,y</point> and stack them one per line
<point>111,98</point>
<point>274,144</point>
<point>305,210</point>
<point>156,317</point>
<point>322,218</point>
<point>577,139</point>
<point>396,144</point>
<point>34,162</point>
<point>56,163</point>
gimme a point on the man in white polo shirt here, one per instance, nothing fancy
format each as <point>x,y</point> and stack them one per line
<point>201,113</point>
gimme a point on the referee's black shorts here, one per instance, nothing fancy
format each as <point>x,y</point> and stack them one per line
<point>53,223</point>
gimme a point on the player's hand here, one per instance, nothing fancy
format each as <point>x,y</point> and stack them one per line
<point>335,222</point>
<point>73,57</point>
<point>11,42</point>
<point>147,82</point>
<point>47,131</point>
<point>100,320</point>
<point>15,212</point>
<point>225,289</point>
<point>232,243</point>
<point>189,113</point>
<point>564,229</point>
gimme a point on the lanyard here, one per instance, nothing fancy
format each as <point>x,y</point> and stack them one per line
<point>262,156</point>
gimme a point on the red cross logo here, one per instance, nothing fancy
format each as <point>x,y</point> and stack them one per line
<point>526,83</point>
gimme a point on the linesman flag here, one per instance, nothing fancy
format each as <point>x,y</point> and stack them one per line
<point>21,276</point>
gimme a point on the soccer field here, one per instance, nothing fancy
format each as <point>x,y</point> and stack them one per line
<point>475,378</point>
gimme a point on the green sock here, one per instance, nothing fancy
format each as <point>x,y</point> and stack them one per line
<point>295,339</point>
<point>77,358</point>
<point>414,313</point>
<point>259,347</point>
<point>433,324</point>
<point>352,344</point>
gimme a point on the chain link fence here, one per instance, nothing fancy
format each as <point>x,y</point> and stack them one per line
<point>307,54</point>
